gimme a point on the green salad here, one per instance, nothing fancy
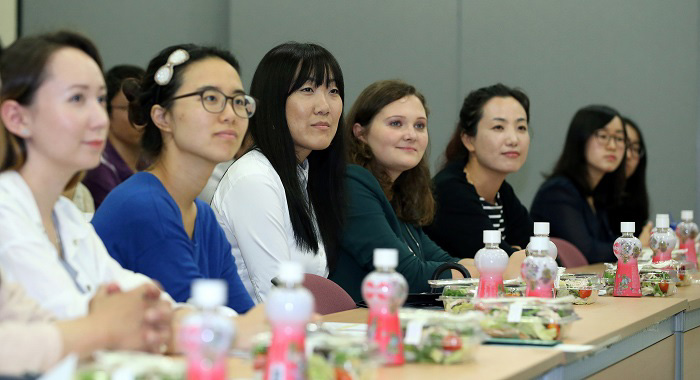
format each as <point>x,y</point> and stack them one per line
<point>539,320</point>
<point>438,337</point>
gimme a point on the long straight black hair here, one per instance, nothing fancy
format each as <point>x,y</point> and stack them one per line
<point>572,161</point>
<point>282,71</point>
<point>635,198</point>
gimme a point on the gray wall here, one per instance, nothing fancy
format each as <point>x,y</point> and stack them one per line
<point>132,31</point>
<point>640,56</point>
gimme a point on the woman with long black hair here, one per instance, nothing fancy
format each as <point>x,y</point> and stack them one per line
<point>283,199</point>
<point>587,179</point>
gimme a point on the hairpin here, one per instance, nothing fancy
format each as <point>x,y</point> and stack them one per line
<point>165,72</point>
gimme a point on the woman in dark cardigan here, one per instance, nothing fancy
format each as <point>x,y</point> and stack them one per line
<point>491,141</point>
<point>388,188</point>
<point>587,180</point>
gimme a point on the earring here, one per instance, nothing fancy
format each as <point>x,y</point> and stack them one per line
<point>24,132</point>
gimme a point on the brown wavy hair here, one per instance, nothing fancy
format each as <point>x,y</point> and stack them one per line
<point>410,194</point>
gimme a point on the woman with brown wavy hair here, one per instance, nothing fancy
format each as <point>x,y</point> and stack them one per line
<point>388,187</point>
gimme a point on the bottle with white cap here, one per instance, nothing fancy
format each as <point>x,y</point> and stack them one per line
<point>539,269</point>
<point>491,261</point>
<point>385,290</point>
<point>288,308</point>
<point>687,231</point>
<point>206,335</point>
<point>542,229</point>
<point>663,240</point>
<point>627,249</point>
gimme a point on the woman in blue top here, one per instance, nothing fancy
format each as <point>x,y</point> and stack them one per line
<point>152,223</point>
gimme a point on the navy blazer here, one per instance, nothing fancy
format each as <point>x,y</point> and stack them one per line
<point>570,217</point>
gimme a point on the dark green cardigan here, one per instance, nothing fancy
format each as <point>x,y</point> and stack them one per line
<point>372,223</point>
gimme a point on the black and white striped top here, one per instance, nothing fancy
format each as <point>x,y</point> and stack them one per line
<point>495,213</point>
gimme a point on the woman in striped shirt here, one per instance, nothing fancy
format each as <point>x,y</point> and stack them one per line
<point>491,141</point>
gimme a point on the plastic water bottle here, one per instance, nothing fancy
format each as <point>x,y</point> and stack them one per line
<point>539,269</point>
<point>627,249</point>
<point>206,335</point>
<point>288,308</point>
<point>491,261</point>
<point>663,240</point>
<point>385,290</point>
<point>687,230</point>
<point>542,229</point>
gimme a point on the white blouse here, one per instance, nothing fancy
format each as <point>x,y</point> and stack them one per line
<point>28,257</point>
<point>251,206</point>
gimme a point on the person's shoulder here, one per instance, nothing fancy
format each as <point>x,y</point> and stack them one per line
<point>357,176</point>
<point>452,173</point>
<point>252,167</point>
<point>558,183</point>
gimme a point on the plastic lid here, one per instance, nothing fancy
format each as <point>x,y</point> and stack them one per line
<point>291,272</point>
<point>492,236</point>
<point>662,221</point>
<point>627,227</point>
<point>539,243</point>
<point>209,293</point>
<point>386,258</point>
<point>541,228</point>
<point>687,215</point>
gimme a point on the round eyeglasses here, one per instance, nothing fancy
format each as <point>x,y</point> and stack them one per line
<point>635,150</point>
<point>604,139</point>
<point>214,101</point>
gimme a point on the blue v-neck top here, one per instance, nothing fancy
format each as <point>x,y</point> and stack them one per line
<point>141,226</point>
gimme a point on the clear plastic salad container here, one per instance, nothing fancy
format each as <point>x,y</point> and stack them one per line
<point>340,358</point>
<point>437,337</point>
<point>657,282</point>
<point>583,287</point>
<point>459,291</point>
<point>328,357</point>
<point>457,304</point>
<point>137,365</point>
<point>527,318</point>
<point>514,290</point>
<point>439,284</point>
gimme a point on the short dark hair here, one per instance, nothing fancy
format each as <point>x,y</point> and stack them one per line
<point>572,162</point>
<point>471,113</point>
<point>410,194</point>
<point>146,93</point>
<point>115,77</point>
<point>23,71</point>
<point>281,72</point>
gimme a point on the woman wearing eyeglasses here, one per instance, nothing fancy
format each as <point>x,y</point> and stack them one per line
<point>634,206</point>
<point>283,199</point>
<point>195,112</point>
<point>587,179</point>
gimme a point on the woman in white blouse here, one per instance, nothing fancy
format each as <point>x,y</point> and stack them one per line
<point>283,199</point>
<point>55,125</point>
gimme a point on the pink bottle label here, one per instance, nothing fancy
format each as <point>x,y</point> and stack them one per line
<point>285,358</point>
<point>384,328</point>
<point>538,274</point>
<point>490,285</point>
<point>627,279</point>
<point>540,291</point>
<point>660,256</point>
<point>198,366</point>
<point>383,325</point>
<point>690,254</point>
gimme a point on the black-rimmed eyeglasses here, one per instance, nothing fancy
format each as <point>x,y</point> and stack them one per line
<point>214,101</point>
